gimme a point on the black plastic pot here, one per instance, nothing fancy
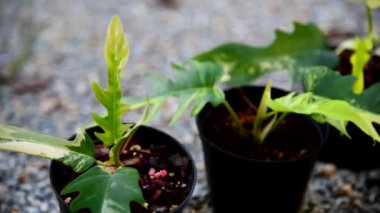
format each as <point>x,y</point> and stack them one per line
<point>358,153</point>
<point>144,136</point>
<point>240,183</point>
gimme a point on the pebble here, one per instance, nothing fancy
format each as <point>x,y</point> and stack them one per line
<point>346,189</point>
<point>328,170</point>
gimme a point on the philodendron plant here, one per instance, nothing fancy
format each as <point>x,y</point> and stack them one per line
<point>110,176</point>
<point>201,79</point>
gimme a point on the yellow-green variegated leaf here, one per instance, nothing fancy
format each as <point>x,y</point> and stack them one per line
<point>358,60</point>
<point>77,154</point>
<point>335,112</point>
<point>116,55</point>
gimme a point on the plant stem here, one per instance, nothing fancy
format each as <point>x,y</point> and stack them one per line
<point>235,117</point>
<point>279,120</point>
<point>370,19</point>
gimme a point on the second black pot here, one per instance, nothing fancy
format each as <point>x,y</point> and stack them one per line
<point>360,152</point>
<point>243,184</point>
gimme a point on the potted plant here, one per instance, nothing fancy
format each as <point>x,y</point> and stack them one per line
<point>360,63</point>
<point>246,119</point>
<point>113,166</point>
<point>259,152</point>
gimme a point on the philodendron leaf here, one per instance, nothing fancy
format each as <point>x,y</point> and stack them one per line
<point>335,112</point>
<point>331,84</point>
<point>104,191</point>
<point>77,154</point>
<point>258,131</point>
<point>116,54</point>
<point>369,99</point>
<point>242,63</point>
<point>194,83</point>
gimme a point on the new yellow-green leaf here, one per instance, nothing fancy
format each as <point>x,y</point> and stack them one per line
<point>359,59</point>
<point>335,112</point>
<point>116,54</point>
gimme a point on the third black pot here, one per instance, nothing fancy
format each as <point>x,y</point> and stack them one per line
<point>239,182</point>
<point>360,152</point>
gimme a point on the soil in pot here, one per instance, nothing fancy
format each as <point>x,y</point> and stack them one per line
<point>246,177</point>
<point>167,172</point>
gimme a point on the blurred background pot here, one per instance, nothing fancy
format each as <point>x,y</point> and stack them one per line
<point>358,153</point>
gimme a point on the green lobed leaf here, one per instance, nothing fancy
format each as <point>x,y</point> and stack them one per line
<point>242,63</point>
<point>194,83</point>
<point>116,55</point>
<point>335,112</point>
<point>369,99</point>
<point>77,154</point>
<point>331,84</point>
<point>103,191</point>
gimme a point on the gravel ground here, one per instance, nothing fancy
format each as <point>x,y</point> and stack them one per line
<point>51,51</point>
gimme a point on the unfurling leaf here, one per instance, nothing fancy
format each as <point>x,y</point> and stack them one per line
<point>77,154</point>
<point>116,54</point>
<point>259,132</point>
<point>243,63</point>
<point>359,59</point>
<point>103,191</point>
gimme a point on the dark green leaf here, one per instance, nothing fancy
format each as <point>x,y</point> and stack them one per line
<point>194,83</point>
<point>331,84</point>
<point>328,83</point>
<point>103,191</point>
<point>243,63</point>
<point>369,99</point>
